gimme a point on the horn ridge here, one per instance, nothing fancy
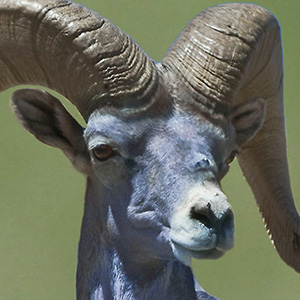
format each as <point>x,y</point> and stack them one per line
<point>211,42</point>
<point>73,50</point>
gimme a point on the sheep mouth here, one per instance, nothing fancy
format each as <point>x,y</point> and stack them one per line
<point>185,254</point>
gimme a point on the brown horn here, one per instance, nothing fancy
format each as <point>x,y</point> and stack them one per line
<point>75,51</point>
<point>228,54</point>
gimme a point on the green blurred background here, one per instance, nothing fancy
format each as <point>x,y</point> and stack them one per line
<point>42,195</point>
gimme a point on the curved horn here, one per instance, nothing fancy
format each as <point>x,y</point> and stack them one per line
<point>75,51</point>
<point>228,54</point>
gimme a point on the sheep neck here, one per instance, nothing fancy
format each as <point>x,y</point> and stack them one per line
<point>115,283</point>
<point>105,272</point>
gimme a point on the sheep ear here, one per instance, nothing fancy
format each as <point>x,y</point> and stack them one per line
<point>247,118</point>
<point>44,116</point>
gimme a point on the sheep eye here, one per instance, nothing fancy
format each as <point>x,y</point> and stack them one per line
<point>103,152</point>
<point>231,157</point>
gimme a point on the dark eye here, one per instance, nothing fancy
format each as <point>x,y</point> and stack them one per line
<point>231,157</point>
<point>103,152</point>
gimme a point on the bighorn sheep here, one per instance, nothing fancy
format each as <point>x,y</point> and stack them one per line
<point>165,133</point>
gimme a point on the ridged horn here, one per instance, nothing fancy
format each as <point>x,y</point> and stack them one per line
<point>73,50</point>
<point>230,53</point>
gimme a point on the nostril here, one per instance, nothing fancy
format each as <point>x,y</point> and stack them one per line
<point>227,221</point>
<point>203,214</point>
<point>204,163</point>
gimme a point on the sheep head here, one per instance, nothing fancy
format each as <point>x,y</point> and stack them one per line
<point>196,99</point>
<point>158,173</point>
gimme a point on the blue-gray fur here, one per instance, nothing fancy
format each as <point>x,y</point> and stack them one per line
<point>125,249</point>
